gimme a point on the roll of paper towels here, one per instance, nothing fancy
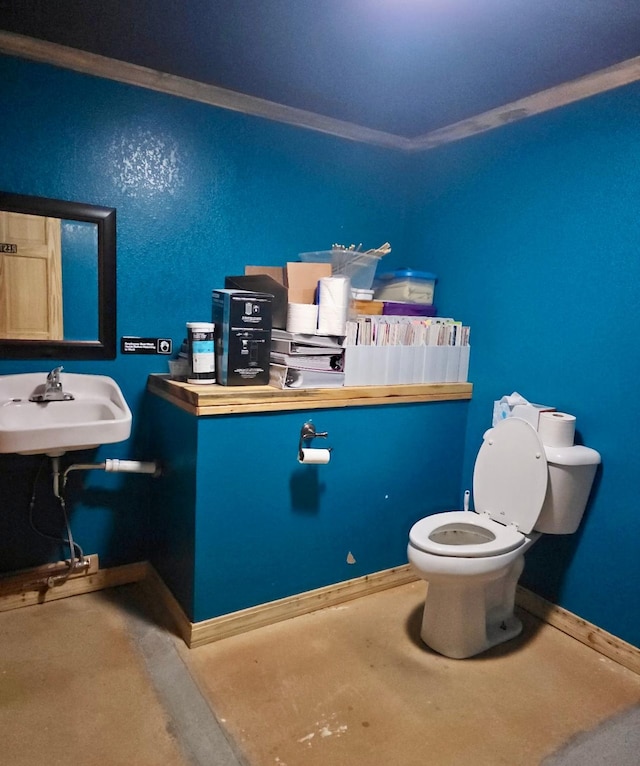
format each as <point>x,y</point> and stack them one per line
<point>556,429</point>
<point>334,296</point>
<point>302,318</point>
<point>314,456</point>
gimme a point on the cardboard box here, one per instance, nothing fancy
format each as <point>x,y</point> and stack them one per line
<point>242,336</point>
<point>366,307</point>
<point>302,280</point>
<point>263,283</point>
<point>275,272</point>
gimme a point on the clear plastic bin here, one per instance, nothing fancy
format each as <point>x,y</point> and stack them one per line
<point>359,267</point>
<point>406,285</point>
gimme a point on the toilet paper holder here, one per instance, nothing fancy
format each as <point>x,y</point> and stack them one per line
<point>308,432</point>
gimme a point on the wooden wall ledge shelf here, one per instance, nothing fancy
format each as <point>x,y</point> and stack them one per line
<point>204,400</point>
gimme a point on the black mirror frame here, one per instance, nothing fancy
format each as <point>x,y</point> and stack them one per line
<point>105,217</point>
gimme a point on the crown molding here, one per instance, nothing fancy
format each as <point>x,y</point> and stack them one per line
<point>601,81</point>
<point>83,62</point>
<point>45,52</point>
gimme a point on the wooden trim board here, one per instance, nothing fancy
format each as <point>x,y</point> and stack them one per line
<point>15,593</point>
<point>229,400</point>
<point>227,625</point>
<point>157,589</point>
<point>601,81</point>
<point>45,52</point>
<point>624,73</point>
<point>201,633</point>
<point>294,606</point>
<point>604,643</point>
<point>20,589</point>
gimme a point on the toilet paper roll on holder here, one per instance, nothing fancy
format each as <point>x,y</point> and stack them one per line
<point>308,432</point>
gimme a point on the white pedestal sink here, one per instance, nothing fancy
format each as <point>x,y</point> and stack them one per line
<point>92,412</point>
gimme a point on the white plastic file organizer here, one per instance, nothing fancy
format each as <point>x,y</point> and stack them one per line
<point>393,365</point>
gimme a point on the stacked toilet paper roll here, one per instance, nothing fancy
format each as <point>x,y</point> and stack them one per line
<point>302,318</point>
<point>557,429</point>
<point>334,294</point>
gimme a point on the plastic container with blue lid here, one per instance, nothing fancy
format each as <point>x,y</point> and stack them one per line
<point>407,285</point>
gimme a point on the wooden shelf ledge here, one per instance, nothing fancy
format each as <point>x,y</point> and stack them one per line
<point>203,400</point>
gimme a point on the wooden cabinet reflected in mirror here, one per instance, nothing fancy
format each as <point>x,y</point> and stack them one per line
<point>57,279</point>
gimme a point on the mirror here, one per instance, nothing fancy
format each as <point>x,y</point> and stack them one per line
<point>57,279</point>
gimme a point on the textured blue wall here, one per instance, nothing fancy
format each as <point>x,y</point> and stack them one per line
<point>239,522</point>
<point>199,193</point>
<point>79,280</point>
<point>534,231</point>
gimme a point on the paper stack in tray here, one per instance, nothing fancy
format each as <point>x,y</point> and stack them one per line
<point>305,361</point>
<point>391,350</point>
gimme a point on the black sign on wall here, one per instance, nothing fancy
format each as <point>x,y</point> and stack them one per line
<point>130,344</point>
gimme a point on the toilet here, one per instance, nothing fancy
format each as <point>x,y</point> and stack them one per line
<point>472,560</point>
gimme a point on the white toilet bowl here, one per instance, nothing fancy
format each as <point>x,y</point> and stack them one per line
<point>470,598</point>
<point>472,560</point>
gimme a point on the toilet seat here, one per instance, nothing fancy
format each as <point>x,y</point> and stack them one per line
<point>509,486</point>
<point>471,535</point>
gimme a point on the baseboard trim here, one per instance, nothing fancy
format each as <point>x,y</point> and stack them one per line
<point>22,589</point>
<point>197,634</point>
<point>17,590</point>
<point>206,631</point>
<point>604,643</point>
<point>157,589</point>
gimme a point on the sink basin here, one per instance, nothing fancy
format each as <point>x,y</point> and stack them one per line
<point>97,414</point>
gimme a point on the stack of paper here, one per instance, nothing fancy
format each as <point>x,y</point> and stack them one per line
<point>306,361</point>
<point>392,330</point>
<point>391,350</point>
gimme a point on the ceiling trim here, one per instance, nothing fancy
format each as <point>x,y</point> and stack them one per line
<point>601,81</point>
<point>111,69</point>
<point>13,44</point>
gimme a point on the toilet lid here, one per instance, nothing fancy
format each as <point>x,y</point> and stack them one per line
<point>510,474</point>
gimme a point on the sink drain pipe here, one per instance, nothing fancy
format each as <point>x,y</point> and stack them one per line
<point>78,562</point>
<point>110,465</point>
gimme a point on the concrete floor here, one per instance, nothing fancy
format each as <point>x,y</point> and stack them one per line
<point>97,679</point>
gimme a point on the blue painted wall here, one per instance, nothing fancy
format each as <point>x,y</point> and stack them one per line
<point>534,231</point>
<point>79,280</point>
<point>199,193</point>
<point>239,522</point>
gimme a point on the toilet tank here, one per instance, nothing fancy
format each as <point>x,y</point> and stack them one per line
<point>571,474</point>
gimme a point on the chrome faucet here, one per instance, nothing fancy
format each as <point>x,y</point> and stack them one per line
<point>52,389</point>
<point>53,386</point>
